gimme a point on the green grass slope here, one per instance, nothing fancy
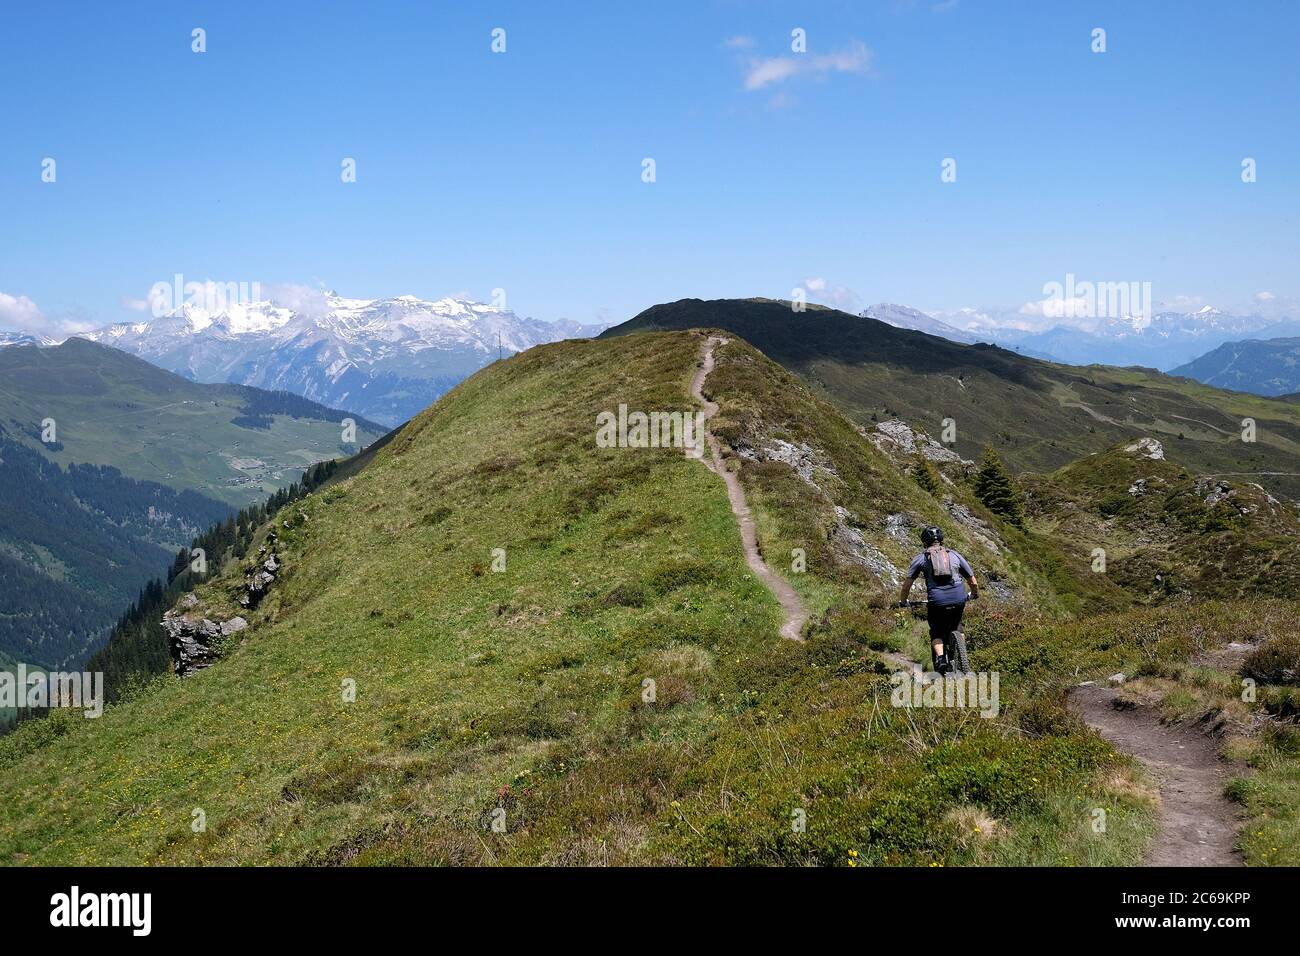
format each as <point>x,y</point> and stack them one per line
<point>1039,415</point>
<point>619,692</point>
<point>1167,533</point>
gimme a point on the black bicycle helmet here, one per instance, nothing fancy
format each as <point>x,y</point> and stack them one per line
<point>930,535</point>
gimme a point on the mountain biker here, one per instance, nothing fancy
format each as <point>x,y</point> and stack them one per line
<point>944,569</point>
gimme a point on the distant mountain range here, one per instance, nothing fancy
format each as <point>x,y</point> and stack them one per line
<point>1265,367</point>
<point>386,359</point>
<point>1169,340</point>
<point>903,317</point>
<point>109,465</point>
<point>8,338</point>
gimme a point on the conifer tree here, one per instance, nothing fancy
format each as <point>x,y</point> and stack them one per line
<point>993,486</point>
<point>925,475</point>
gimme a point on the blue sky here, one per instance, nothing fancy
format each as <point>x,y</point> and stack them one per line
<point>522,170</point>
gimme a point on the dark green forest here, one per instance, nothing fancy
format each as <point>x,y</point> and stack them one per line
<point>77,545</point>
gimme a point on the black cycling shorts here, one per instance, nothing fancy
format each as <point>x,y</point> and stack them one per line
<point>943,619</point>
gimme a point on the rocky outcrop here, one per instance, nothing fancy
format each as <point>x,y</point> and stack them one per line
<point>852,546</point>
<point>195,641</point>
<point>899,441</point>
<point>1214,490</point>
<point>1147,448</point>
<point>800,457</point>
<point>975,526</point>
<point>807,462</point>
<point>903,528</point>
<point>262,575</point>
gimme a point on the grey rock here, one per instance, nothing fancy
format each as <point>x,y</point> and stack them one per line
<point>852,545</point>
<point>978,528</point>
<point>258,580</point>
<point>191,641</point>
<point>800,457</point>
<point>234,625</point>
<point>898,439</point>
<point>999,589</point>
<point>902,528</point>
<point>1214,491</point>
<point>1147,448</point>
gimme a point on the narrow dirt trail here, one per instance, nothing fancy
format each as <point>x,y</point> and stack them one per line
<point>1198,824</point>
<point>796,615</point>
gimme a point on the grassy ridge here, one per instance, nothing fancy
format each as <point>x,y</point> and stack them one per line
<point>465,677</point>
<point>1169,534</point>
<point>521,696</point>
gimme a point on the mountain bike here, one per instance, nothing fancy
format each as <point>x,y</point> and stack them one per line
<point>954,645</point>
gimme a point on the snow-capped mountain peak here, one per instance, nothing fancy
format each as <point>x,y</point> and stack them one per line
<point>905,317</point>
<point>384,358</point>
<point>11,338</point>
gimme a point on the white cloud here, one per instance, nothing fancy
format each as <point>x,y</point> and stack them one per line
<point>738,42</point>
<point>20,312</point>
<point>303,299</point>
<point>837,296</point>
<point>980,319</point>
<point>1055,307</point>
<point>773,70</point>
<point>1264,297</point>
<point>147,303</point>
<point>760,73</point>
<point>1042,314</point>
<point>1181,303</point>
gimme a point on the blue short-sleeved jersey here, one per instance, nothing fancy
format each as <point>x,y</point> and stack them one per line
<point>936,592</point>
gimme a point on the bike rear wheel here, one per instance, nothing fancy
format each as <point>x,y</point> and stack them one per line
<point>957,651</point>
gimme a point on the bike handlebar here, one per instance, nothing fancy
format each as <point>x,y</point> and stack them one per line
<point>970,597</point>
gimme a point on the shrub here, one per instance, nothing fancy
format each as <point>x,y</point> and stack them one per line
<point>1276,661</point>
<point>671,575</point>
<point>1043,717</point>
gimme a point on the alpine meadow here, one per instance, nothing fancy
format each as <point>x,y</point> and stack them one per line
<point>436,438</point>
